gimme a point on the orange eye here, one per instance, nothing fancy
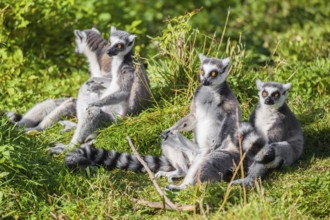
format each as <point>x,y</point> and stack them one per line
<point>276,94</point>
<point>119,46</point>
<point>202,72</point>
<point>214,73</point>
<point>264,93</point>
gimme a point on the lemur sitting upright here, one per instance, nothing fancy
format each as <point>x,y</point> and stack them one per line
<point>101,101</point>
<point>280,140</point>
<point>272,138</point>
<point>213,117</point>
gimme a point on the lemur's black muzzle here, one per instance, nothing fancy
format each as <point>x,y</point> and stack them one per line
<point>269,101</point>
<point>112,52</point>
<point>205,82</point>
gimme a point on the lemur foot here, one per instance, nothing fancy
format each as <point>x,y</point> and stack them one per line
<point>246,181</point>
<point>175,187</point>
<point>164,174</point>
<point>58,149</point>
<point>68,126</point>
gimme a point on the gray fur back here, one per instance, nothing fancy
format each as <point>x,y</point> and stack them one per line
<point>140,93</point>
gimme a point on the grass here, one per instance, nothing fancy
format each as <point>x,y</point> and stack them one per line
<point>35,185</point>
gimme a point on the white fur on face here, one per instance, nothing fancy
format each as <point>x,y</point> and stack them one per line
<point>277,103</point>
<point>115,40</point>
<point>208,68</point>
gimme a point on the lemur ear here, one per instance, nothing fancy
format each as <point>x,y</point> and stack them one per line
<point>201,57</point>
<point>287,86</point>
<point>97,31</point>
<point>131,37</point>
<point>113,29</point>
<point>226,62</point>
<point>259,84</point>
<point>80,34</point>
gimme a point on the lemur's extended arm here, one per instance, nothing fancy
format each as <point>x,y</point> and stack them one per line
<point>111,99</point>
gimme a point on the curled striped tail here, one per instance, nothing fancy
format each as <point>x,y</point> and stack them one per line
<point>87,155</point>
<point>251,140</point>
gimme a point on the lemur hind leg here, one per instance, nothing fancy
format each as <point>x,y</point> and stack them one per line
<point>180,152</point>
<point>93,119</point>
<point>272,156</point>
<point>38,112</point>
<point>192,173</point>
<point>66,108</point>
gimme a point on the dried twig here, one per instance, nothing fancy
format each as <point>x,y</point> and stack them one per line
<point>168,202</point>
<point>159,205</point>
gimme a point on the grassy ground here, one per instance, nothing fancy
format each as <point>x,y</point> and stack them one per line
<point>37,185</point>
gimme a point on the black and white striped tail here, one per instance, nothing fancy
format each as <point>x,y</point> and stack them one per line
<point>88,155</point>
<point>252,142</point>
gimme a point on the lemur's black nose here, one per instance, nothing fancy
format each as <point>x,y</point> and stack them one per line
<point>269,101</point>
<point>205,82</point>
<point>111,52</point>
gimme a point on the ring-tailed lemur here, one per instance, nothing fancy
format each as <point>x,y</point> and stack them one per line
<point>280,130</point>
<point>213,117</point>
<point>101,101</point>
<point>44,114</point>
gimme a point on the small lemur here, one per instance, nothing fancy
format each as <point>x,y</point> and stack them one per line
<point>101,100</point>
<point>280,140</point>
<point>213,117</point>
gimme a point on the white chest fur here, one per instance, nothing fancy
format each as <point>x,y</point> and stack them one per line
<point>206,124</point>
<point>114,86</point>
<point>265,119</point>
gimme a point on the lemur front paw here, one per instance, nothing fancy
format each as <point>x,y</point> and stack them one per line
<point>164,135</point>
<point>267,155</point>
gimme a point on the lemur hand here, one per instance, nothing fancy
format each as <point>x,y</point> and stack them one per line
<point>164,134</point>
<point>94,104</point>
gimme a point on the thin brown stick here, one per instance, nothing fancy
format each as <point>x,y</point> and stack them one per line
<point>240,154</point>
<point>159,205</point>
<point>168,202</point>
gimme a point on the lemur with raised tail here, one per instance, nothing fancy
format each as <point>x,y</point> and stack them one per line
<point>101,102</point>
<point>41,116</point>
<point>213,116</point>
<point>90,43</point>
<point>280,140</point>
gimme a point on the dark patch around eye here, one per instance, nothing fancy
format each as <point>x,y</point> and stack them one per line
<point>264,93</point>
<point>276,94</point>
<point>120,46</point>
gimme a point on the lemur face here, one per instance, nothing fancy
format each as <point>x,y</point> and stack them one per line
<point>272,94</point>
<point>213,71</point>
<point>120,42</point>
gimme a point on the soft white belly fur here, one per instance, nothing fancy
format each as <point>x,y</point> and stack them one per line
<point>204,132</point>
<point>265,119</point>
